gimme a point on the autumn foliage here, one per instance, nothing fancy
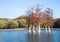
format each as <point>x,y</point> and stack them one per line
<point>37,16</point>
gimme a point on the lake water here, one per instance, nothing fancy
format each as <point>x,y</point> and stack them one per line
<point>25,36</point>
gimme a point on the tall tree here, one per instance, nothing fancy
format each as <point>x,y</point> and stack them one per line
<point>49,16</point>
<point>37,16</point>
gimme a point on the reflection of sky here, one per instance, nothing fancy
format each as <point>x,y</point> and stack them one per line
<point>25,36</point>
<point>13,36</point>
<point>56,35</point>
<point>15,8</point>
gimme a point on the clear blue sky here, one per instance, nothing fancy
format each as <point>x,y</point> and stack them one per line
<point>15,8</point>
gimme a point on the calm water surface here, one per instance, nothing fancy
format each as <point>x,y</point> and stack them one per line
<point>25,36</point>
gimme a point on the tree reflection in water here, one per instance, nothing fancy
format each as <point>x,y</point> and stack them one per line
<point>39,36</point>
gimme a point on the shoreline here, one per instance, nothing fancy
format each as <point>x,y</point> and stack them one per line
<point>27,29</point>
<point>15,29</point>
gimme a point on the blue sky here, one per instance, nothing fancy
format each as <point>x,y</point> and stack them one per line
<point>15,8</point>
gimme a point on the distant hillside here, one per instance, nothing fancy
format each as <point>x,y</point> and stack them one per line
<point>20,17</point>
<point>5,19</point>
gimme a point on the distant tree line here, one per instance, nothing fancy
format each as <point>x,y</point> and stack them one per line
<point>22,23</point>
<point>11,24</point>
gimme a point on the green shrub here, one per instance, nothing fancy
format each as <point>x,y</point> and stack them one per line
<point>22,23</point>
<point>13,24</point>
<point>3,24</point>
<point>6,24</point>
